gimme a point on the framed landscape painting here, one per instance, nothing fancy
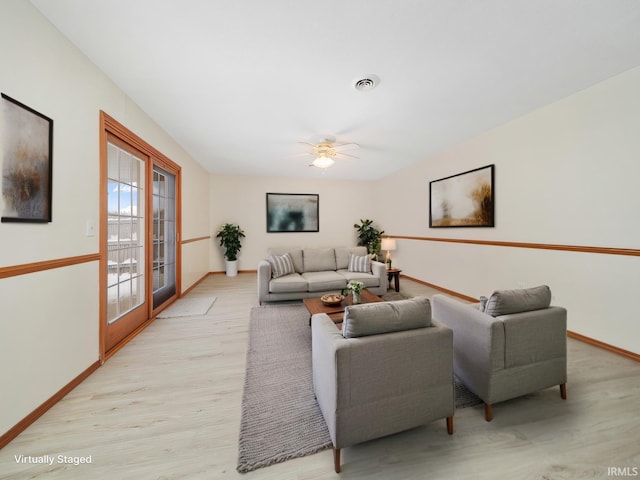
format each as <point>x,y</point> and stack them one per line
<point>463,200</point>
<point>292,212</point>
<point>26,151</point>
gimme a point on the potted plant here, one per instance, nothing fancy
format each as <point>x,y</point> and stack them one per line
<point>230,235</point>
<point>369,236</point>
<point>354,287</point>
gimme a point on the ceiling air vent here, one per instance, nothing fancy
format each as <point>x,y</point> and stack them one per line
<point>367,83</point>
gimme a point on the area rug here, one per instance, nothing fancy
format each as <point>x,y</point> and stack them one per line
<point>188,307</point>
<point>280,417</point>
<point>391,296</point>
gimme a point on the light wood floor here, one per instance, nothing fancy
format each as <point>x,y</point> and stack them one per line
<point>167,406</point>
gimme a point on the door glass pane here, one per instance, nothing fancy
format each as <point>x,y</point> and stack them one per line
<point>164,235</point>
<point>125,236</point>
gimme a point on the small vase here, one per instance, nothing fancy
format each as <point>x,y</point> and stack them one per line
<point>356,297</point>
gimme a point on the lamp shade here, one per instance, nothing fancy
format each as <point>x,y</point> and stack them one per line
<point>388,244</point>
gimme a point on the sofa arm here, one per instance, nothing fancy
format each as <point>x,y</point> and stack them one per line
<point>325,338</point>
<point>264,277</point>
<point>379,270</point>
<point>478,342</point>
<point>535,336</point>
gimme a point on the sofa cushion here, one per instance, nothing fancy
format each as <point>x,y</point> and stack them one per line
<point>322,281</point>
<point>296,256</point>
<point>504,302</point>
<point>385,317</point>
<point>281,265</point>
<point>360,264</point>
<point>288,283</point>
<point>343,254</point>
<point>368,279</point>
<point>319,259</point>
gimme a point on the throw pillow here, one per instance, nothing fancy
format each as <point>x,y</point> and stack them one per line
<point>360,264</point>
<point>483,303</point>
<point>281,265</point>
<point>505,302</point>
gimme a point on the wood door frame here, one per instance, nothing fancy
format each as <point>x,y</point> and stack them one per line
<point>109,125</point>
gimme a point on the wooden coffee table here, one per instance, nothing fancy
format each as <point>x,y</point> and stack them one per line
<point>336,312</point>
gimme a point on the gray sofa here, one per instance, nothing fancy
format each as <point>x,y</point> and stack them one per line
<point>316,271</point>
<point>516,346</point>
<point>389,369</point>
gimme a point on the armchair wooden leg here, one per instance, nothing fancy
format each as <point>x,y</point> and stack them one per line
<point>563,391</point>
<point>450,425</point>
<point>488,413</point>
<point>336,459</point>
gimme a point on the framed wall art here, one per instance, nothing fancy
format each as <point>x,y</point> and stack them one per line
<point>292,212</point>
<point>463,200</point>
<point>26,159</point>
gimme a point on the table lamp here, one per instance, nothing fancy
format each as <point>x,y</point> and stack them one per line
<point>388,244</point>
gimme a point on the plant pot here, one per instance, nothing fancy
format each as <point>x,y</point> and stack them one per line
<point>356,298</point>
<point>232,268</point>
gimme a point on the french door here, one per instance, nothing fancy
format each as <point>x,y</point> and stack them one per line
<point>140,229</point>
<point>164,236</point>
<point>126,279</point>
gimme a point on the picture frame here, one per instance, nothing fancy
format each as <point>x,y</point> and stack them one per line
<point>463,200</point>
<point>293,212</point>
<point>26,163</point>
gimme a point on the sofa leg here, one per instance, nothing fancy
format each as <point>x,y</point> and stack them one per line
<point>336,459</point>
<point>450,425</point>
<point>488,413</point>
<point>563,391</point>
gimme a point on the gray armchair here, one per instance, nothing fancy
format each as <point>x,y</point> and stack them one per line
<point>518,345</point>
<point>389,369</point>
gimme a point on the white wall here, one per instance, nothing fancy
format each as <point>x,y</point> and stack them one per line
<point>565,174</point>
<point>242,200</point>
<point>49,320</point>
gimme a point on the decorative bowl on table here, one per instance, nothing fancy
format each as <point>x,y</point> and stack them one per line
<point>332,299</point>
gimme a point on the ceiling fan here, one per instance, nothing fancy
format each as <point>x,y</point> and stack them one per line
<point>326,151</point>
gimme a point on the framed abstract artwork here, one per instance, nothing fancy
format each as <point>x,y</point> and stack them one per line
<point>26,159</point>
<point>292,212</point>
<point>463,200</point>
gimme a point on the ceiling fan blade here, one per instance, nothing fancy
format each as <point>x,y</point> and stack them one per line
<point>307,154</point>
<point>346,146</point>
<point>309,144</point>
<point>345,155</point>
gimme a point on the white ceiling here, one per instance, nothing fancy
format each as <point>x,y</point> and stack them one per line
<point>238,83</point>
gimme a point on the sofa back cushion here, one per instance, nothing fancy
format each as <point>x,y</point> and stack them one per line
<point>385,317</point>
<point>343,254</point>
<point>505,302</point>
<point>319,259</point>
<point>295,253</point>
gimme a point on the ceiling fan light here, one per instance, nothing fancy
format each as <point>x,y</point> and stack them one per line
<point>323,162</point>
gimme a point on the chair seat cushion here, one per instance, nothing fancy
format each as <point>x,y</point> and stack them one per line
<point>505,302</point>
<point>385,317</point>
